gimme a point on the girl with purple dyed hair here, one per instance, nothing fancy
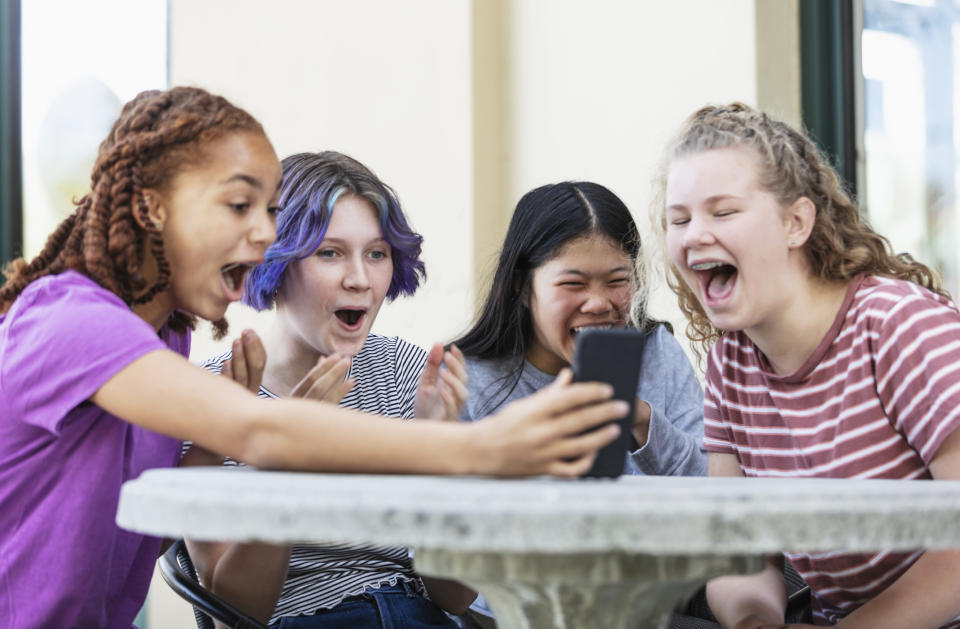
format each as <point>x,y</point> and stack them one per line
<point>343,246</point>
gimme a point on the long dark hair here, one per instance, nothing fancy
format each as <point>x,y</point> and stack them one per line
<point>545,220</point>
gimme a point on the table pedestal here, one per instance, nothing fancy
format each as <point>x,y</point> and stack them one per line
<point>567,591</point>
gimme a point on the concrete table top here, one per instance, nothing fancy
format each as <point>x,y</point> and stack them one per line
<point>535,546</point>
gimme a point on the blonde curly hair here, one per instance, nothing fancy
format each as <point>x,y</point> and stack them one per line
<point>841,245</point>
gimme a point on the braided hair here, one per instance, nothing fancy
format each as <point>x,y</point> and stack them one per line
<point>157,135</point>
<point>842,244</point>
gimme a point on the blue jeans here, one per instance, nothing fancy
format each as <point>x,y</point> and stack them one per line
<point>398,606</point>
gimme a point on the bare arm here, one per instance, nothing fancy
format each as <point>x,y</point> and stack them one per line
<point>540,434</point>
<point>925,596</point>
<point>747,601</point>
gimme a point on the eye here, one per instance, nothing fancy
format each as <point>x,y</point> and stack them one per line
<point>239,207</point>
<point>725,212</point>
<point>679,221</point>
<point>620,281</point>
<point>326,253</point>
<point>572,284</point>
<point>378,254</point>
<point>273,210</point>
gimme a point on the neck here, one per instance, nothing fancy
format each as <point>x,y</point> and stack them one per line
<point>803,322</point>
<point>289,358</point>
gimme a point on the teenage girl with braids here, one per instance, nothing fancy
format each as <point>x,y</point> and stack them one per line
<point>832,357</point>
<point>95,387</point>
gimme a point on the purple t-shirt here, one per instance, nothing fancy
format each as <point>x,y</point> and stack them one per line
<point>63,560</point>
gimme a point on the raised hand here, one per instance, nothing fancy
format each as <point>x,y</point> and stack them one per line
<point>247,361</point>
<point>326,381</point>
<point>441,392</point>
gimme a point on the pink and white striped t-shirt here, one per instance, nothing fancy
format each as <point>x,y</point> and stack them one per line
<point>875,400</point>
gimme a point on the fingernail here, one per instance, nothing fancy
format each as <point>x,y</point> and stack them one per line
<point>247,335</point>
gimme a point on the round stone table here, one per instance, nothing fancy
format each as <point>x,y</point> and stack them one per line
<point>554,553</point>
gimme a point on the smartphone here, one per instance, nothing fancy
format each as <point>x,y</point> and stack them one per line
<point>613,356</point>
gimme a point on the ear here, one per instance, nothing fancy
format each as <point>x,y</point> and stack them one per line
<point>799,219</point>
<point>156,213</point>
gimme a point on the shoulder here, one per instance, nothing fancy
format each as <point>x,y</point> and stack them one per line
<point>483,370</point>
<point>69,286</point>
<point>893,304</point>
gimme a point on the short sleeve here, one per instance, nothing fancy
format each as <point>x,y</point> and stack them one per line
<point>917,345</point>
<point>65,337</point>
<point>717,436</point>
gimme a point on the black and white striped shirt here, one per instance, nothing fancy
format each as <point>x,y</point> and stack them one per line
<point>386,373</point>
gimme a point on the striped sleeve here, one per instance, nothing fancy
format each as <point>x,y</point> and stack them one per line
<point>717,436</point>
<point>917,348</point>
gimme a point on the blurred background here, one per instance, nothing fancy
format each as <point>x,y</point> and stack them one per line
<point>464,105</point>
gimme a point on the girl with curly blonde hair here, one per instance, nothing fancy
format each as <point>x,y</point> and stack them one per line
<point>829,355</point>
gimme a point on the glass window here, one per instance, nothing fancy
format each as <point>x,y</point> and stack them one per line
<point>910,60</point>
<point>80,62</point>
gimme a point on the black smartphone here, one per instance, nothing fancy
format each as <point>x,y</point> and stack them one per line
<point>613,356</point>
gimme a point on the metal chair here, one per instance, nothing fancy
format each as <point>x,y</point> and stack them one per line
<point>178,571</point>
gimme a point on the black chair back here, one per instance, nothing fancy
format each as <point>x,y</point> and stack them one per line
<point>177,570</point>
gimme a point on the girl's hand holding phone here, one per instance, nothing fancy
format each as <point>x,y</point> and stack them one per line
<point>551,431</point>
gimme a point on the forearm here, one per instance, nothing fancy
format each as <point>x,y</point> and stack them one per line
<point>760,596</point>
<point>298,434</point>
<point>934,579</point>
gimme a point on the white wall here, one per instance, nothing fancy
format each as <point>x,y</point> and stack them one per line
<point>386,82</point>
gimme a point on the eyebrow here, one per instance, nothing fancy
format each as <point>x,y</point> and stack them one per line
<point>253,181</point>
<point>619,269</point>
<point>375,240</point>
<point>711,200</point>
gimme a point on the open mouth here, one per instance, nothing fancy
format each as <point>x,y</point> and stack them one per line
<point>574,331</point>
<point>716,278</point>
<point>350,316</point>
<point>233,274</point>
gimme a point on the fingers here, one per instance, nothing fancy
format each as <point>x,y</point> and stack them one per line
<point>256,356</point>
<point>558,398</point>
<point>587,444</point>
<point>578,419</point>
<point>454,392</point>
<point>572,469</point>
<point>432,367</point>
<point>238,363</point>
<point>326,380</point>
<point>247,361</point>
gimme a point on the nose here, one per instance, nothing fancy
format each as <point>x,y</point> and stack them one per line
<point>697,233</point>
<point>263,228</point>
<point>597,303</point>
<point>355,274</point>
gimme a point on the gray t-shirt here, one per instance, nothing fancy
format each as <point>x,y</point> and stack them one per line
<point>667,383</point>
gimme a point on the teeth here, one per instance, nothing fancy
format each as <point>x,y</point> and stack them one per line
<point>228,276</point>
<point>581,328</point>
<point>705,266</point>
